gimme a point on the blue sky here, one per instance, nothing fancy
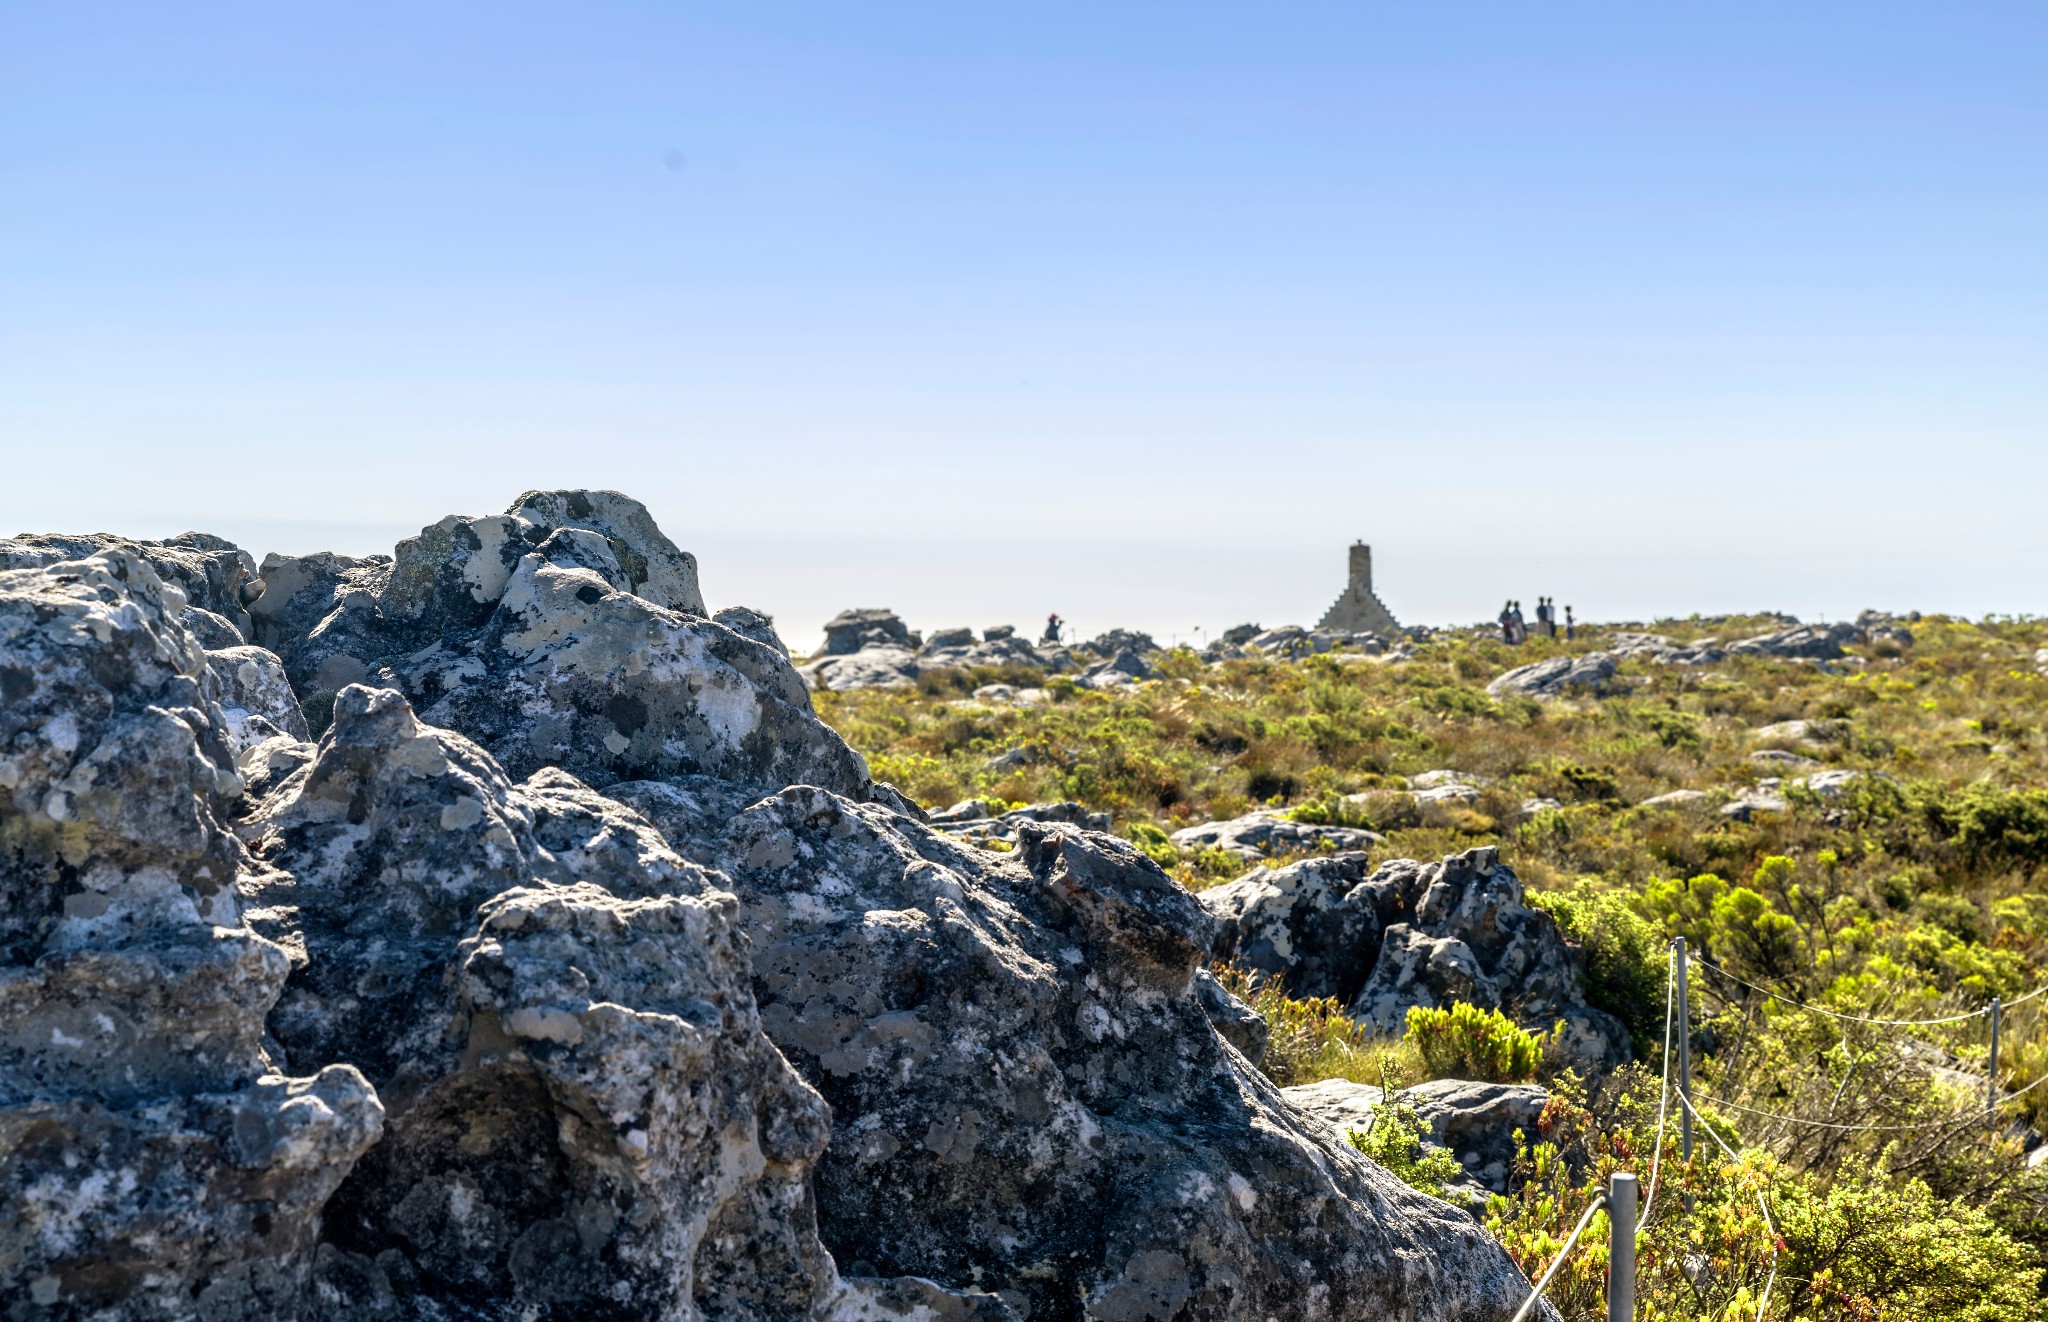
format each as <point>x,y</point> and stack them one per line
<point>1139,312</point>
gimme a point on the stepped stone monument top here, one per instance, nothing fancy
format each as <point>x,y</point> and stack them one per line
<point>1359,610</point>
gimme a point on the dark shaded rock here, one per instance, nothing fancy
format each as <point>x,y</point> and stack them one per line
<point>1409,934</point>
<point>851,630</point>
<point>586,1119</point>
<point>996,1033</point>
<point>1236,1022</point>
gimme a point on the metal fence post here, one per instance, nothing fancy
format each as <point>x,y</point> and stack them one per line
<point>1991,1073</point>
<point>1621,1247</point>
<point>1684,1059</point>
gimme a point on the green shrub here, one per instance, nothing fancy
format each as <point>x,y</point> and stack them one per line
<point>1394,1138</point>
<point>1153,844</point>
<point>1466,1042</point>
<point>1627,959</point>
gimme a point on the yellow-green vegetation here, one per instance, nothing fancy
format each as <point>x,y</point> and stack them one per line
<point>1466,1042</point>
<point>1395,1138</point>
<point>1915,890</point>
<point>1312,1038</point>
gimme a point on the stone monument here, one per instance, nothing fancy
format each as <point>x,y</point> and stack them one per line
<point>1359,610</point>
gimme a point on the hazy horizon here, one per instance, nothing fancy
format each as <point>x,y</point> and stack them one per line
<point>1139,315</point>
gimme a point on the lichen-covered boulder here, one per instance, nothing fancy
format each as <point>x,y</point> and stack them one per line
<point>1028,1093</point>
<point>153,1164</point>
<point>568,671</point>
<point>585,1119</point>
<point>1408,933</point>
<point>217,577</point>
<point>255,697</point>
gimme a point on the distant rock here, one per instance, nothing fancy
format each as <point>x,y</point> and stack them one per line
<point>1807,733</point>
<point>851,630</point>
<point>1832,783</point>
<point>1294,641</point>
<point>882,667</point>
<point>1747,804</point>
<point>1120,640</point>
<point>1590,672</point>
<point>1267,833</point>
<point>944,639</point>
<point>1780,760</point>
<point>1663,650</point>
<point>1812,642</point>
<point>1677,799</point>
<point>971,820</point>
<point>1125,667</point>
<point>1448,787</point>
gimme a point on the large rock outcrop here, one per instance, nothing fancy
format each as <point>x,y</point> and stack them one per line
<point>153,1163</point>
<point>586,975</point>
<point>1406,934</point>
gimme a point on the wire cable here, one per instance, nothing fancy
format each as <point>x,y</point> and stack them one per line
<point>1522,1313</point>
<point>1865,1019</point>
<point>1970,1117</point>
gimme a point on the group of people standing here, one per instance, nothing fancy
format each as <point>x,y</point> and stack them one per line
<point>1514,630</point>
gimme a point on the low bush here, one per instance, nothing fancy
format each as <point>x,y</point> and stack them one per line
<point>1466,1042</point>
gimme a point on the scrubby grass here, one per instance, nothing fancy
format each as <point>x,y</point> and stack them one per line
<point>1920,891</point>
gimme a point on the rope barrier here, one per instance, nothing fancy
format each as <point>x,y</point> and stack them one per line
<point>1865,1019</point>
<point>1663,1088</point>
<point>1522,1313</point>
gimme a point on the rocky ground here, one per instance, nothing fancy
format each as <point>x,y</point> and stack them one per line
<point>486,931</point>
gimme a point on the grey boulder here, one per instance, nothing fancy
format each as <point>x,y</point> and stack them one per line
<point>1266,833</point>
<point>1591,672</point>
<point>1408,934</point>
<point>153,1164</point>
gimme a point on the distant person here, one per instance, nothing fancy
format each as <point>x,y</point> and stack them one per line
<point>1052,629</point>
<point>1571,626</point>
<point>1507,622</point>
<point>1543,620</point>
<point>1521,625</point>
